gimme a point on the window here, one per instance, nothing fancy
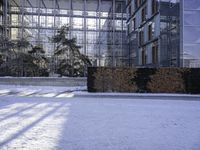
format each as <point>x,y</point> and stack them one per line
<point>64,21</point>
<point>129,10</point>
<point>144,56</point>
<point>150,32</point>
<point>77,23</point>
<point>138,3</point>
<point>118,24</point>
<point>128,28</point>
<point>133,24</point>
<point>143,14</point>
<point>155,53</point>
<point>50,21</point>
<point>91,24</point>
<point>154,6</point>
<point>42,21</point>
<point>15,20</point>
<point>141,37</point>
<point>14,33</point>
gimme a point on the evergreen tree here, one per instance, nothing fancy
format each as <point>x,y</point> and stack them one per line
<point>70,61</point>
<point>39,59</point>
<point>16,60</point>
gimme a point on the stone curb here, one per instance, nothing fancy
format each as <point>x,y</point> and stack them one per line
<point>138,96</point>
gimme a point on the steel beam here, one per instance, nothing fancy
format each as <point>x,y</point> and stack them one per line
<point>57,4</point>
<point>30,3</point>
<point>15,3</point>
<point>44,4</point>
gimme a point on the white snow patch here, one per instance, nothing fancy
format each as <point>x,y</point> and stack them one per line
<point>21,88</point>
<point>39,91</point>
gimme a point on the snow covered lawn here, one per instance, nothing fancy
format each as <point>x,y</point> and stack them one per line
<point>46,123</point>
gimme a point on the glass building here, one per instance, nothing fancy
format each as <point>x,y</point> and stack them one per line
<point>164,33</point>
<point>144,33</point>
<point>190,33</point>
<point>98,25</point>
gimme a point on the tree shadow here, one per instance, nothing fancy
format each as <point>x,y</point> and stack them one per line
<point>87,126</point>
<point>17,113</point>
<point>54,108</point>
<point>36,94</point>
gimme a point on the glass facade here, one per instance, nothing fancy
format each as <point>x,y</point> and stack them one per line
<point>172,25</point>
<point>191,33</point>
<point>143,32</point>
<point>169,33</point>
<point>149,33</point>
<point>98,25</point>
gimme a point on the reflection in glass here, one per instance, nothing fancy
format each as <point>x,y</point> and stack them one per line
<point>191,32</point>
<point>91,23</point>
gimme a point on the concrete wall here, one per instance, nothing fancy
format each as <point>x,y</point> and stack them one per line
<point>43,81</point>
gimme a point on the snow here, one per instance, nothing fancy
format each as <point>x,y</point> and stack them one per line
<point>39,91</point>
<point>20,88</point>
<point>80,91</point>
<point>64,122</point>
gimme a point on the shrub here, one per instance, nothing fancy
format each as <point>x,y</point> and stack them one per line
<point>102,78</point>
<point>167,80</point>
<point>193,80</point>
<point>115,80</point>
<point>161,80</point>
<point>123,80</point>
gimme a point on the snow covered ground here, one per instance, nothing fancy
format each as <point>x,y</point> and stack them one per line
<point>65,123</point>
<point>43,89</point>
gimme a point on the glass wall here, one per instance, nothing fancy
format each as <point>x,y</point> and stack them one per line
<point>98,26</point>
<point>191,33</point>
<point>170,33</point>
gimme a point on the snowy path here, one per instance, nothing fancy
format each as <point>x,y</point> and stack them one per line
<point>35,123</point>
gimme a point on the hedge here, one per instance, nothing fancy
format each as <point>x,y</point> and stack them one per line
<point>144,80</point>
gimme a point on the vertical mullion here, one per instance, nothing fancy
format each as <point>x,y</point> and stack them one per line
<point>99,35</point>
